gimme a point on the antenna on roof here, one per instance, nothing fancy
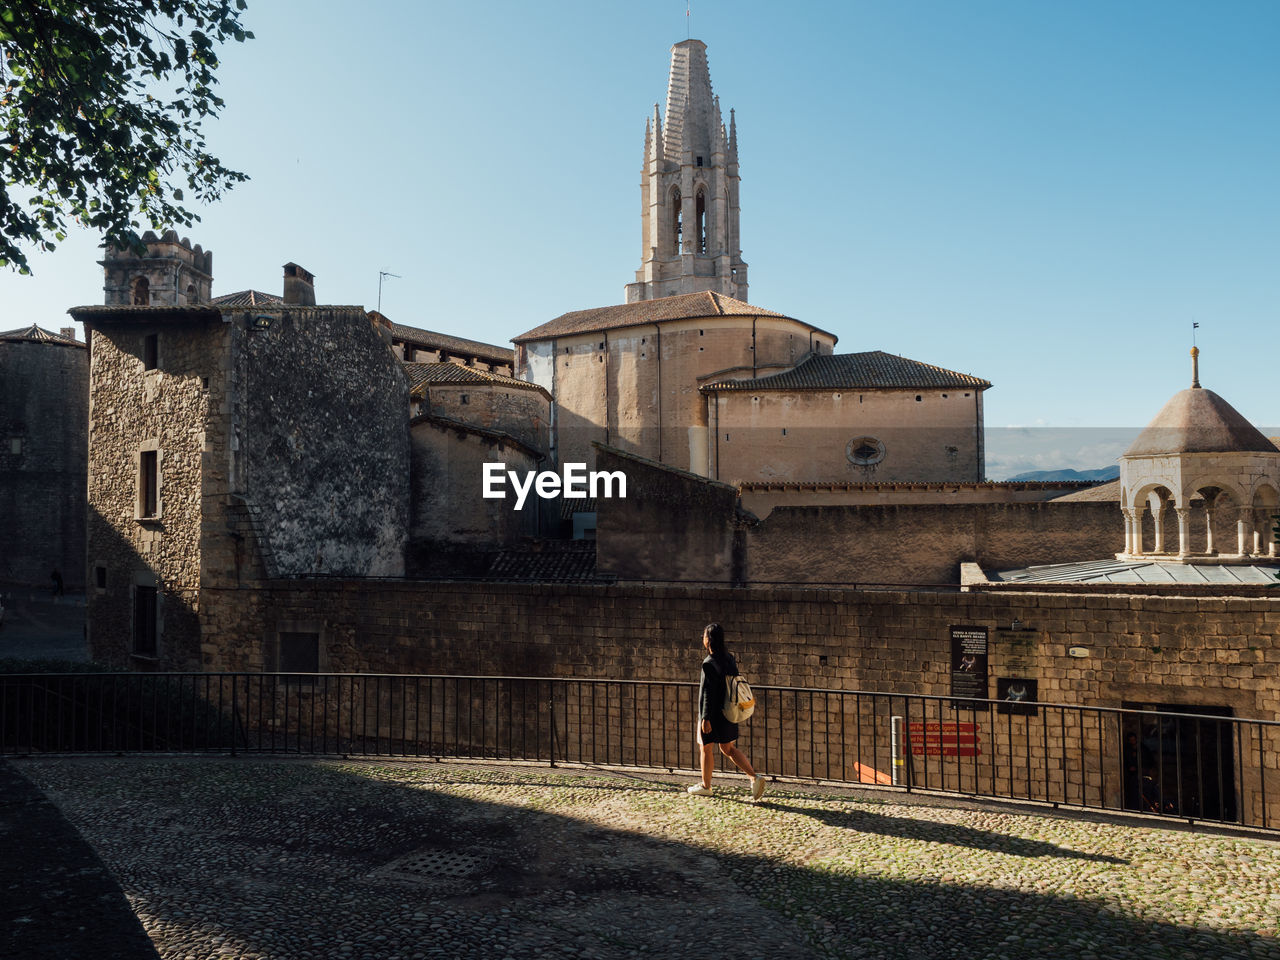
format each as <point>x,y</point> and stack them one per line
<point>688,27</point>
<point>381,274</point>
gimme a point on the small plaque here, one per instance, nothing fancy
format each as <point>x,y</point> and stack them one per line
<point>969,666</point>
<point>1017,696</point>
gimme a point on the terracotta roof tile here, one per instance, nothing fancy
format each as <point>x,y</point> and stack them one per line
<point>550,560</point>
<point>852,371</point>
<point>1196,420</point>
<point>39,335</point>
<point>687,306</point>
<point>429,338</point>
<point>246,298</point>
<point>423,375</point>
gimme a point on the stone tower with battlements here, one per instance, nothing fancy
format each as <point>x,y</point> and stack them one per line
<point>171,274</point>
<point>689,190</point>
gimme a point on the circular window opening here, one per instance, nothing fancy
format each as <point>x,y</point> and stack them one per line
<point>864,451</point>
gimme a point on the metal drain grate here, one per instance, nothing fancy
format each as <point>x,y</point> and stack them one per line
<point>432,866</point>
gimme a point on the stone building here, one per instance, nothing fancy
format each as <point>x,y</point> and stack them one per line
<point>413,345</point>
<point>1201,461</point>
<point>688,373</point>
<point>231,441</point>
<point>43,448</point>
<point>460,419</point>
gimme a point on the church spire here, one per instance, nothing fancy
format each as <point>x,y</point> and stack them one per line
<point>689,190</point>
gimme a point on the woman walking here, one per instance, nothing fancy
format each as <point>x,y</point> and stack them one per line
<point>713,728</point>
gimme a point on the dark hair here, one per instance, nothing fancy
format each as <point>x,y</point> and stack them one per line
<point>715,637</point>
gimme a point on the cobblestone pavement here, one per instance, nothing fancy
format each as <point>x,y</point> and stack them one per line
<point>292,858</point>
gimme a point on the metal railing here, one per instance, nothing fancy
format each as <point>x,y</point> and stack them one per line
<point>1193,767</point>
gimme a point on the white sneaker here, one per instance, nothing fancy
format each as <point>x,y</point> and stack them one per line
<point>698,790</point>
<point>757,788</point>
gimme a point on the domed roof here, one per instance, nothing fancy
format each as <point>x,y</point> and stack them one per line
<point>1196,420</point>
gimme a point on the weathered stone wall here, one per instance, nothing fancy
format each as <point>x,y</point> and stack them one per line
<point>637,387</point>
<point>522,413</point>
<point>671,527</point>
<point>447,483</point>
<point>1172,651</point>
<point>761,497</point>
<point>804,435</point>
<point>168,410</point>
<point>326,443</point>
<point>44,416</point>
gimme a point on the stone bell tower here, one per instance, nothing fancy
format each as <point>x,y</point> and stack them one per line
<point>689,190</point>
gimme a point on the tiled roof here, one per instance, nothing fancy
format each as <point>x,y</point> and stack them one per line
<point>852,371</point>
<point>687,306</point>
<point>246,298</point>
<point>1196,420</point>
<point>557,561</point>
<point>1106,492</point>
<point>39,335</point>
<point>422,375</point>
<point>432,340</point>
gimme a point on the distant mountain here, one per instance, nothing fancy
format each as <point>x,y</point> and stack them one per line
<point>1105,473</point>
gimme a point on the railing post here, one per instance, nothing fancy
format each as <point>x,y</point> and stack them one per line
<point>897,750</point>
<point>551,702</point>
<point>235,711</point>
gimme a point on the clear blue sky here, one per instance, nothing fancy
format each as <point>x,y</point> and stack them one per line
<point>1044,194</point>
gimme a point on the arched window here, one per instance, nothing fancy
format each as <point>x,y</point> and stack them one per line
<point>141,292</point>
<point>677,221</point>
<point>700,208</point>
<point>191,293</point>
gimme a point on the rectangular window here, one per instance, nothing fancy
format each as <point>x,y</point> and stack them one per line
<point>144,621</point>
<point>100,577</point>
<point>15,446</point>
<point>148,484</point>
<point>151,351</point>
<point>299,652</point>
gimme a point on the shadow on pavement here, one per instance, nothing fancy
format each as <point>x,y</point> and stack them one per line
<point>282,858</point>
<point>59,900</point>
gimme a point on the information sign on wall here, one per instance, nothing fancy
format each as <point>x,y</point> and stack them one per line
<point>969,666</point>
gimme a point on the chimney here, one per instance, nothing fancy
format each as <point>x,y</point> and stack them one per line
<point>68,332</point>
<point>299,286</point>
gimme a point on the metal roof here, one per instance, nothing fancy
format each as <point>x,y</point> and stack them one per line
<point>1141,571</point>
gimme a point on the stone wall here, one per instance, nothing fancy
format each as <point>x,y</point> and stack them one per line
<point>447,483</point>
<point>170,410</point>
<point>1090,651</point>
<point>326,442</point>
<point>517,411</point>
<point>671,527</point>
<point>805,435</point>
<point>44,414</point>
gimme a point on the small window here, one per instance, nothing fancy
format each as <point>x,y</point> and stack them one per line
<point>191,293</point>
<point>204,382</point>
<point>15,446</point>
<point>299,652</point>
<point>151,351</point>
<point>918,398</point>
<point>141,292</point>
<point>144,621</point>
<point>864,451</point>
<point>699,161</point>
<point>148,484</point>
<point>464,399</point>
<point>100,577</point>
